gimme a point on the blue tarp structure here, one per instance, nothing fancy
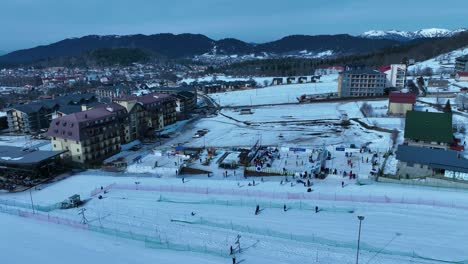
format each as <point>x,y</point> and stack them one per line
<point>179,148</point>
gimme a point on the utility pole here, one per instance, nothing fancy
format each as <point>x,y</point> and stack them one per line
<point>32,203</point>
<point>360,217</point>
<point>83,217</point>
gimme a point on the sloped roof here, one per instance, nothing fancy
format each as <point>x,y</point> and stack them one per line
<point>10,155</point>
<point>71,126</point>
<point>385,68</point>
<point>429,126</point>
<point>462,74</point>
<point>434,158</point>
<point>402,98</point>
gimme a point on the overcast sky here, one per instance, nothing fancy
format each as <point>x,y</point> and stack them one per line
<point>28,23</point>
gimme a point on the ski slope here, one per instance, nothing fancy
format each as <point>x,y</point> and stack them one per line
<point>400,230</point>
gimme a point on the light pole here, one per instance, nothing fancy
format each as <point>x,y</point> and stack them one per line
<point>360,217</point>
<point>32,203</point>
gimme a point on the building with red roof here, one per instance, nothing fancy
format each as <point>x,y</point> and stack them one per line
<point>461,77</point>
<point>399,103</point>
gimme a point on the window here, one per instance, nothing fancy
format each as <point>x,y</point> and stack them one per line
<point>55,146</point>
<point>77,150</point>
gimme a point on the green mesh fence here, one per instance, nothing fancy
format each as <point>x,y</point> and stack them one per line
<point>42,208</point>
<point>309,239</point>
<point>156,243</point>
<point>263,204</point>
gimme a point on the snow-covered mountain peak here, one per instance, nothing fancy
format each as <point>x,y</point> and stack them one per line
<point>410,35</point>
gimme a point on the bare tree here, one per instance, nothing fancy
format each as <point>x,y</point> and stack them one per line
<point>462,129</point>
<point>427,71</point>
<point>366,109</point>
<point>394,136</point>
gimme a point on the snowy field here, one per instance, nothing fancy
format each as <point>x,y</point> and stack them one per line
<point>441,62</point>
<point>276,94</point>
<point>398,229</point>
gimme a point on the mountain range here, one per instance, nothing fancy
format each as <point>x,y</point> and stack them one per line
<point>411,35</point>
<point>173,46</point>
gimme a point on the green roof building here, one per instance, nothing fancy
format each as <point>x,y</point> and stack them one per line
<point>427,129</point>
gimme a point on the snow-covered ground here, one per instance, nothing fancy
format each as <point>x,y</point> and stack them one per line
<point>441,62</point>
<point>398,229</point>
<point>276,94</point>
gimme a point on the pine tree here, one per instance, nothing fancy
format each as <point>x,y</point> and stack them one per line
<point>447,107</point>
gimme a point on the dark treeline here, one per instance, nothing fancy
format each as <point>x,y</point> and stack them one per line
<point>419,50</point>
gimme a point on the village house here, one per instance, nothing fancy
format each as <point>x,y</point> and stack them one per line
<point>400,103</point>
<point>461,77</point>
<point>461,64</point>
<point>462,101</point>
<point>429,130</point>
<point>429,148</point>
<point>417,162</point>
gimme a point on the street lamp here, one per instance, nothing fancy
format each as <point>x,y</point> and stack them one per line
<point>360,217</point>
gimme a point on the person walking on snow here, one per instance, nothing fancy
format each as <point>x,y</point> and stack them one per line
<point>284,208</point>
<point>342,184</point>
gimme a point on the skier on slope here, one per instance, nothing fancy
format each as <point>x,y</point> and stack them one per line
<point>257,210</point>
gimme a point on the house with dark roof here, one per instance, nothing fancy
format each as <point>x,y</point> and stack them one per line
<point>419,162</point>
<point>160,108</point>
<point>36,116</point>
<point>185,96</point>
<point>461,64</point>
<point>429,130</point>
<point>400,103</point>
<point>28,118</point>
